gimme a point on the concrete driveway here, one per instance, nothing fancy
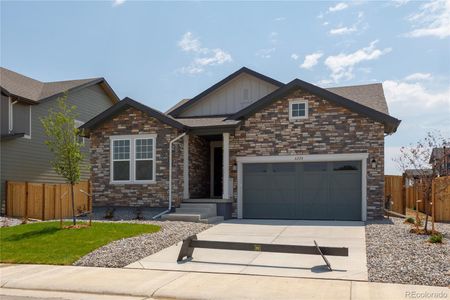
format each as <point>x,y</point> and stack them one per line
<point>326,233</point>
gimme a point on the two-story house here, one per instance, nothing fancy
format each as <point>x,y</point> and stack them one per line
<point>24,101</point>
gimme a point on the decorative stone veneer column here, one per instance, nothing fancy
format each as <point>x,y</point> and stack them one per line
<point>186,166</point>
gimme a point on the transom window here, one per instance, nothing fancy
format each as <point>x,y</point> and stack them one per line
<point>298,109</point>
<point>133,159</point>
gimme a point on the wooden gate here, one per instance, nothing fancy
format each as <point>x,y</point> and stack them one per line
<point>393,187</point>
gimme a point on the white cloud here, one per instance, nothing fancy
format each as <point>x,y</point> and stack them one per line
<point>341,65</point>
<point>433,19</point>
<point>189,43</point>
<point>337,7</point>
<point>342,30</point>
<point>415,95</point>
<point>295,56</point>
<point>311,60</point>
<point>279,19</point>
<point>265,53</point>
<point>325,23</point>
<point>118,2</point>
<point>418,77</point>
<point>204,57</point>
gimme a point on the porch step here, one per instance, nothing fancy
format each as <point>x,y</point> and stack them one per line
<point>204,212</point>
<point>182,217</point>
<point>195,212</point>
<point>199,205</point>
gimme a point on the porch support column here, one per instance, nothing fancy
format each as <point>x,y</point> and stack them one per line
<point>186,167</point>
<point>226,165</point>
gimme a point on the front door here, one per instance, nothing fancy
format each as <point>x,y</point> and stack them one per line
<point>217,171</point>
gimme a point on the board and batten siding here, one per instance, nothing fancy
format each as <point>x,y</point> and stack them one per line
<point>231,97</point>
<point>25,159</point>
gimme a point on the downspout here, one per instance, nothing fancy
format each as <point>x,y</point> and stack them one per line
<point>170,176</point>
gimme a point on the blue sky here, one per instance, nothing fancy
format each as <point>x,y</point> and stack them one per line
<point>161,52</point>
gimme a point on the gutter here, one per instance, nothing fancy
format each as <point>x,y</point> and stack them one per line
<point>170,176</point>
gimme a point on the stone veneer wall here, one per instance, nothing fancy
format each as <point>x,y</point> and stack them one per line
<point>133,121</point>
<point>329,129</point>
<point>199,167</point>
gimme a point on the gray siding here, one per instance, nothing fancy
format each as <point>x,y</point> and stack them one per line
<point>4,114</point>
<point>232,97</point>
<point>25,159</point>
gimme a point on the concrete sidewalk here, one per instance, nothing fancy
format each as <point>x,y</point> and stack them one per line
<point>191,285</point>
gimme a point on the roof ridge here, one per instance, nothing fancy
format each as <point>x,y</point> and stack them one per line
<point>21,75</point>
<point>72,80</point>
<point>356,85</point>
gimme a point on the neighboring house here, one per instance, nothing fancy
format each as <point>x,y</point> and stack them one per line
<point>256,146</point>
<point>412,176</point>
<point>24,155</point>
<point>440,159</point>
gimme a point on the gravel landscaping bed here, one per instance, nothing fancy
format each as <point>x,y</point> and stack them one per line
<point>126,251</point>
<point>397,256</point>
<point>7,222</point>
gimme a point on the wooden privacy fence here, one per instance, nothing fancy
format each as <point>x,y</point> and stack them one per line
<point>45,201</point>
<point>393,187</point>
<point>441,198</point>
<point>407,197</point>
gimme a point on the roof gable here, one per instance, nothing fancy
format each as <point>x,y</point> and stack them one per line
<point>370,95</point>
<point>33,91</point>
<point>185,104</point>
<point>390,123</point>
<point>121,106</point>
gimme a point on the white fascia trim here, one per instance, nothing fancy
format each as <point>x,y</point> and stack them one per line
<point>132,138</point>
<point>304,158</point>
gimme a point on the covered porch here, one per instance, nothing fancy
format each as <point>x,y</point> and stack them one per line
<point>207,186</point>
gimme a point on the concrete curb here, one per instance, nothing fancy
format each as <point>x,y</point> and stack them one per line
<point>190,285</point>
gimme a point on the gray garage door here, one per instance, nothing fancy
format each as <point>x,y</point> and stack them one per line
<point>315,191</point>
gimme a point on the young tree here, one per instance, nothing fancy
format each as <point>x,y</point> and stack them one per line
<point>416,157</point>
<point>63,141</point>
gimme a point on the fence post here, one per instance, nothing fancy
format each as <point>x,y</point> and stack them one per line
<point>90,196</point>
<point>43,202</point>
<point>6,198</point>
<point>433,202</point>
<point>26,201</point>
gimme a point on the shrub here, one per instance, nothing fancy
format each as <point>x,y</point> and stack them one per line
<point>418,222</point>
<point>410,220</point>
<point>436,238</point>
<point>109,214</point>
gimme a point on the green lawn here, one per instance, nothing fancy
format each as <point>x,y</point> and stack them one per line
<point>46,243</point>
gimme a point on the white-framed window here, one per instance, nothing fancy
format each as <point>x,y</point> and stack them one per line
<point>298,109</point>
<point>79,123</point>
<point>133,158</point>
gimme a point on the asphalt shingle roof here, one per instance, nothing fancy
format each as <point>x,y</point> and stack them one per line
<point>370,95</point>
<point>35,90</point>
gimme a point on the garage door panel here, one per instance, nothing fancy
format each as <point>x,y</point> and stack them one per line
<point>317,190</point>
